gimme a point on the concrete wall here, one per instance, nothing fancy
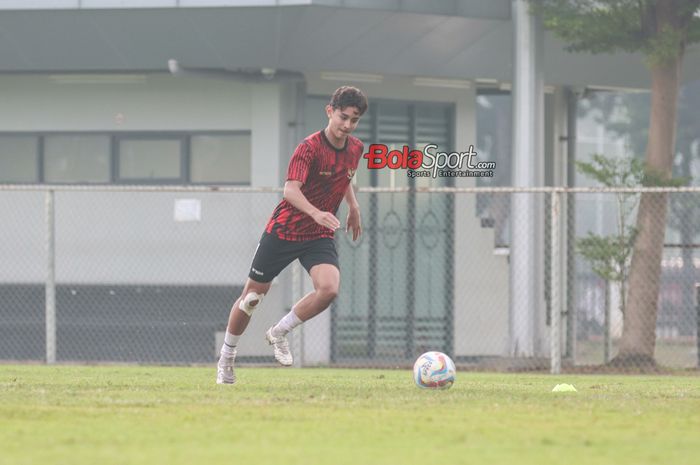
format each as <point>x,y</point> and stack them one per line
<point>146,102</point>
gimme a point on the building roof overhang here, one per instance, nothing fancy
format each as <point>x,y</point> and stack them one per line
<point>467,40</point>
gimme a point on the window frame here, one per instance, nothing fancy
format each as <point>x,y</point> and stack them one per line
<point>42,156</point>
<point>115,137</point>
<point>217,133</point>
<point>116,158</point>
<point>38,158</point>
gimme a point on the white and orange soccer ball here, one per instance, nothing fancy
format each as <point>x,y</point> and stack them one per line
<point>434,370</point>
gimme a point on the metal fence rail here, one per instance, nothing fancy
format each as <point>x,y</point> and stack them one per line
<point>147,274</point>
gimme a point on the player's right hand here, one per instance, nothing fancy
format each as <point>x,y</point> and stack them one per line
<point>326,219</point>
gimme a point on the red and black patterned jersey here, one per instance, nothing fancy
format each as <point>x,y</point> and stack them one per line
<point>326,173</point>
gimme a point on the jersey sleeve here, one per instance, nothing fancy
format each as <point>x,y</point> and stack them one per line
<point>300,164</point>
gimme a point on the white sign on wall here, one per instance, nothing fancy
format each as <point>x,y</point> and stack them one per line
<point>188,210</point>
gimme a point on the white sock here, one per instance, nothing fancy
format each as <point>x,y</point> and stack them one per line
<point>230,343</point>
<point>286,324</point>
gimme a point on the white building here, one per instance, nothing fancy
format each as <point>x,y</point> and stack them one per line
<point>86,96</point>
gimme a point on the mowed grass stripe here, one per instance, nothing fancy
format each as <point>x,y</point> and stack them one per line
<point>177,415</point>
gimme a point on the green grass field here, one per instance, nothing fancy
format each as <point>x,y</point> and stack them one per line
<point>153,415</point>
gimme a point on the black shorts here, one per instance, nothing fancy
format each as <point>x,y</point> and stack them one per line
<point>274,254</point>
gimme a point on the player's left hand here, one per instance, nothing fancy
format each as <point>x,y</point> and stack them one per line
<point>354,223</point>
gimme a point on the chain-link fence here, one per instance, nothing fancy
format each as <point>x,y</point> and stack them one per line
<point>497,278</point>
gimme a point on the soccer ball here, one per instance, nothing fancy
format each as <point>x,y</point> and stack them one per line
<point>434,370</point>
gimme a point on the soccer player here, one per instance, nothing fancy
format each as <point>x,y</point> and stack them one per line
<point>302,227</point>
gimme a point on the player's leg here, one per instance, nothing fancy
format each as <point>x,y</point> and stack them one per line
<point>321,261</point>
<point>249,300</point>
<point>271,257</point>
<point>326,280</point>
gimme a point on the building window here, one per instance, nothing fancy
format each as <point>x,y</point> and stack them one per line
<point>101,158</point>
<point>220,159</point>
<point>77,158</point>
<point>150,159</point>
<point>19,158</point>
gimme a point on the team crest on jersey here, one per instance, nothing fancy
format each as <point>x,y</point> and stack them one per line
<point>351,173</point>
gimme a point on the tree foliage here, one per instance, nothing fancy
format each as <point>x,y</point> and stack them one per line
<point>607,26</point>
<point>627,115</point>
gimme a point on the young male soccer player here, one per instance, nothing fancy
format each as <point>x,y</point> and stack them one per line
<point>302,227</point>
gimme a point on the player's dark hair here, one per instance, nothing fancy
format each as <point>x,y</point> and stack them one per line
<point>348,96</point>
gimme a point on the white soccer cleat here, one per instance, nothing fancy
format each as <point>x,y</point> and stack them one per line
<point>224,369</point>
<point>281,346</point>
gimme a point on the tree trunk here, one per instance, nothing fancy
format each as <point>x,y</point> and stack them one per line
<point>639,331</point>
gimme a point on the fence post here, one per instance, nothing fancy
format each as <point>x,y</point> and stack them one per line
<point>50,279</point>
<point>298,336</point>
<point>555,338</point>
<point>607,336</point>
<point>697,321</point>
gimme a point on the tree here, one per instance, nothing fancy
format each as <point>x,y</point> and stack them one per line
<point>627,114</point>
<point>610,255</point>
<point>661,30</point>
